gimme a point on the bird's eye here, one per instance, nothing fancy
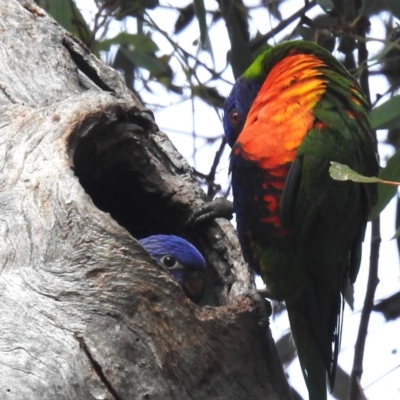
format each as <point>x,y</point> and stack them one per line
<point>169,261</point>
<point>235,116</point>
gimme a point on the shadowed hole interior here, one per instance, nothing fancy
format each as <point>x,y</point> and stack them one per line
<point>114,167</point>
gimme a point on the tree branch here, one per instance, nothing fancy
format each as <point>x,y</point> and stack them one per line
<point>261,40</point>
<point>356,392</point>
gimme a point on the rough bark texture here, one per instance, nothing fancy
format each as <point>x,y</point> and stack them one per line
<point>85,312</point>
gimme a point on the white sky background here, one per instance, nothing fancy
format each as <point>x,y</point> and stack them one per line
<point>179,120</point>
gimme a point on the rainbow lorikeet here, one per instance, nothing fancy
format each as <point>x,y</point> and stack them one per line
<point>181,259</point>
<point>294,110</point>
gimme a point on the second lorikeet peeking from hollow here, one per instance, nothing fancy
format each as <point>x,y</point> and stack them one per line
<point>181,259</point>
<point>294,110</point>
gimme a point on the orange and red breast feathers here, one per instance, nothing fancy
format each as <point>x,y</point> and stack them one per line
<point>282,112</point>
<point>279,118</point>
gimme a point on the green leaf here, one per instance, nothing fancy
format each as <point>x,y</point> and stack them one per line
<point>68,16</point>
<point>387,115</point>
<point>209,95</point>
<point>386,192</point>
<point>305,32</point>
<point>62,14</point>
<point>394,7</point>
<point>140,49</point>
<point>323,38</point>
<point>134,8</point>
<point>137,42</point>
<point>200,11</point>
<point>341,172</point>
<point>186,16</point>
<point>372,7</point>
<point>326,5</point>
<point>145,60</point>
<point>388,178</point>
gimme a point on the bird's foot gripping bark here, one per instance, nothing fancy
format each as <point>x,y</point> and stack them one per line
<point>217,208</point>
<point>263,306</point>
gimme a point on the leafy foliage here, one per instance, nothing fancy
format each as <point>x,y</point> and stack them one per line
<point>387,188</point>
<point>386,116</point>
<point>341,172</point>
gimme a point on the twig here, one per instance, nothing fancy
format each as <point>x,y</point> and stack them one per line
<point>356,392</point>
<point>105,19</point>
<point>211,176</point>
<point>184,55</point>
<point>209,179</point>
<point>81,28</point>
<point>259,41</point>
<point>383,376</point>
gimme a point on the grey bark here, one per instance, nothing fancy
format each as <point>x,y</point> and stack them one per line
<point>85,312</point>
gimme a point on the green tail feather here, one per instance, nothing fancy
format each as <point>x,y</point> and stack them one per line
<point>311,360</point>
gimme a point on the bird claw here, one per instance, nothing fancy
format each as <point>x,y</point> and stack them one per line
<point>217,208</point>
<point>263,306</point>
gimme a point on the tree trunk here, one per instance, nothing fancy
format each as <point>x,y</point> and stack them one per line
<point>86,313</point>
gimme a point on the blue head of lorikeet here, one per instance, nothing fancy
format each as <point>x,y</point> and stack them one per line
<point>181,259</point>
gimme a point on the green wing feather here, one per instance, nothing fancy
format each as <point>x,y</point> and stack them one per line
<point>328,219</point>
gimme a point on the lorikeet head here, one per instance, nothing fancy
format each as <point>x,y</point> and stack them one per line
<point>237,106</point>
<point>181,259</point>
